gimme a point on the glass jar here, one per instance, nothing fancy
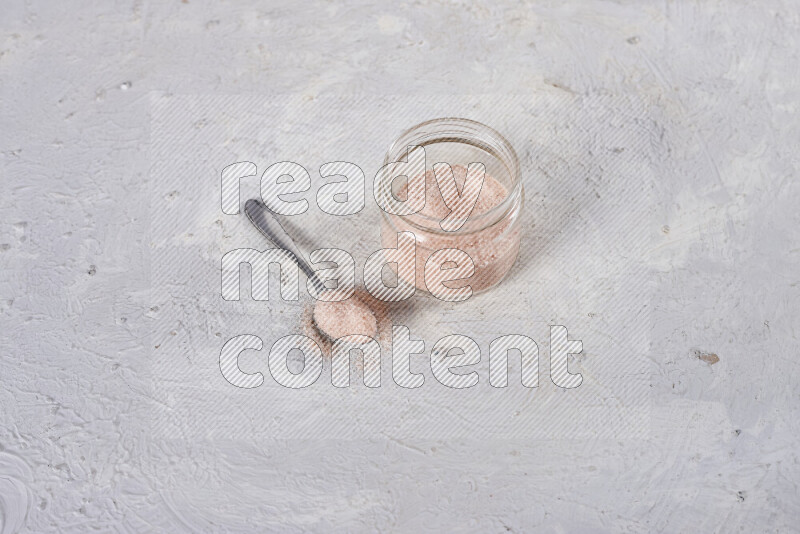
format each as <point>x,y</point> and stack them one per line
<point>491,234</point>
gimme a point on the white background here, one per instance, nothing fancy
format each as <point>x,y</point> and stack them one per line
<point>77,445</point>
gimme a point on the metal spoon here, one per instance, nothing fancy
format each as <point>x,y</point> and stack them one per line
<point>268,224</point>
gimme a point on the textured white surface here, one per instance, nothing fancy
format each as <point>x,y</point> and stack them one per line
<point>586,163</point>
<point>78,450</point>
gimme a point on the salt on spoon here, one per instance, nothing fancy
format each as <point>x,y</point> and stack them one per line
<point>343,318</point>
<point>332,319</point>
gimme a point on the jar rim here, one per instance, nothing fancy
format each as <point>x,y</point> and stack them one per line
<point>510,160</point>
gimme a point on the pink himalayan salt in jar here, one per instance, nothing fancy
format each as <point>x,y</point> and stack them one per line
<point>491,233</point>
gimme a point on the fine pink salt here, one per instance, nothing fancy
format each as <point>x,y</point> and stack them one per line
<point>344,318</point>
<point>493,249</point>
<point>492,193</point>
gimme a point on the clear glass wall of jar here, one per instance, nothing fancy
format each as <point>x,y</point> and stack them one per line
<point>491,235</point>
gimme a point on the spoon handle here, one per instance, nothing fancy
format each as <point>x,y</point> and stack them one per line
<point>267,223</point>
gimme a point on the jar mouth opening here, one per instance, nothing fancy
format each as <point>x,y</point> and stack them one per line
<point>465,131</point>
